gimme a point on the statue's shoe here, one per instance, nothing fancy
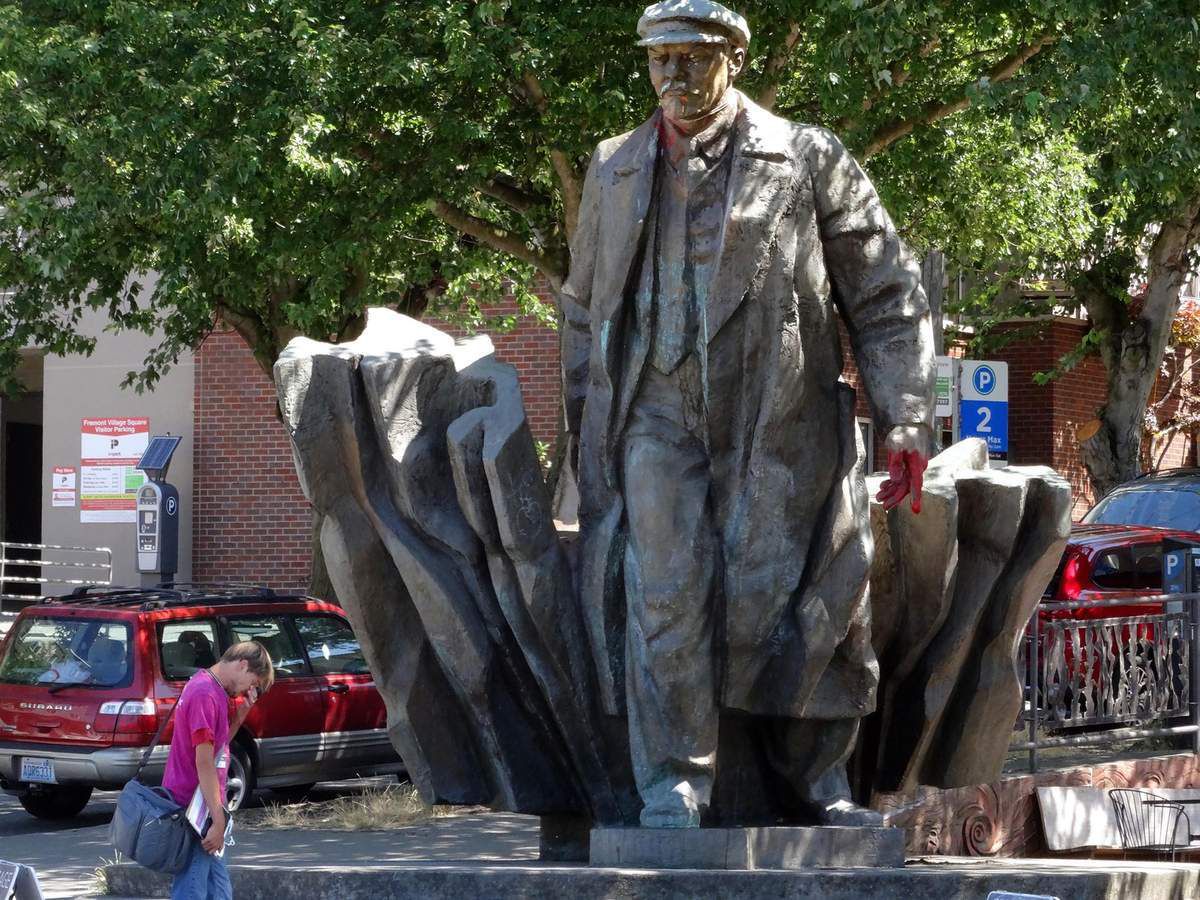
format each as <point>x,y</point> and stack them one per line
<point>680,815</point>
<point>848,813</point>
<point>674,808</point>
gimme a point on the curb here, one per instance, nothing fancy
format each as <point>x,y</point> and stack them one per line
<point>535,882</point>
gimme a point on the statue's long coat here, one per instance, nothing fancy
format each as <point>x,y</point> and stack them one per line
<point>805,238</point>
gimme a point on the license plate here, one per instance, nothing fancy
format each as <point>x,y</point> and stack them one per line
<point>39,770</point>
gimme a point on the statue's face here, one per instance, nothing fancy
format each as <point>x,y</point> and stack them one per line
<point>691,79</point>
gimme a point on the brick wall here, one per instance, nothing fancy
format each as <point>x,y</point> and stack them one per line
<point>1043,419</point>
<point>532,349</point>
<point>250,520</point>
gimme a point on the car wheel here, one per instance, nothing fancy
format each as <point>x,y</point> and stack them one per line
<point>239,785</point>
<point>57,802</point>
<point>293,793</point>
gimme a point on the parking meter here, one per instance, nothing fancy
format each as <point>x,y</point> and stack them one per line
<point>1180,569</point>
<point>1181,575</point>
<point>157,529</point>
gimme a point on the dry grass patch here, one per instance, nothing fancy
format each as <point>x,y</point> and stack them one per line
<point>379,809</point>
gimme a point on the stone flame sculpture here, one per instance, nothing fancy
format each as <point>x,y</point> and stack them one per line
<point>440,540</point>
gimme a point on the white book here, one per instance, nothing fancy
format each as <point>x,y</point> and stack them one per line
<point>197,810</point>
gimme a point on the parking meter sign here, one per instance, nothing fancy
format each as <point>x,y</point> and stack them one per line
<point>944,387</point>
<point>988,421</point>
<point>1180,568</point>
<point>1175,570</point>
<point>983,379</point>
<point>983,404</point>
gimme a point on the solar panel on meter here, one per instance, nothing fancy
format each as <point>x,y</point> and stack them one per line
<point>157,458</point>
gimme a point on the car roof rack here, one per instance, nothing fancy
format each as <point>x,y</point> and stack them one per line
<point>1169,473</point>
<point>169,594</point>
<point>219,587</point>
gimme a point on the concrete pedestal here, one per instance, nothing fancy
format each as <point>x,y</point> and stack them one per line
<point>941,879</point>
<point>747,848</point>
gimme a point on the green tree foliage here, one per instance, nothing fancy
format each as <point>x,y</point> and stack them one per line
<point>284,163</point>
<point>1128,95</point>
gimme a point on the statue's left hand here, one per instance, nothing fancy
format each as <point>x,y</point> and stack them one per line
<point>908,449</point>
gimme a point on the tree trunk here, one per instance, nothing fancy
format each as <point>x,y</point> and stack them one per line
<point>1134,353</point>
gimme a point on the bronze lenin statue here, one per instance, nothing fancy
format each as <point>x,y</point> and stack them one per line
<point>725,541</point>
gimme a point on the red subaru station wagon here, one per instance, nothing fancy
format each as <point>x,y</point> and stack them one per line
<point>86,680</point>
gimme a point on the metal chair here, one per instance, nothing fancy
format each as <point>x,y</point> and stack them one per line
<point>1149,823</point>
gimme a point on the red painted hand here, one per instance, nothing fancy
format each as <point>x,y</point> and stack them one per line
<point>906,474</point>
<point>908,450</point>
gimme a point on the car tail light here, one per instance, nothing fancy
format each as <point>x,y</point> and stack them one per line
<point>136,720</point>
<point>1076,575</point>
<point>127,708</point>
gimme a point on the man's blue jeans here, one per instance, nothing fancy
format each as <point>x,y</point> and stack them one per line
<point>205,877</point>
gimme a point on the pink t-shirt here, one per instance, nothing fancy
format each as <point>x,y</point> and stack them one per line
<point>202,717</point>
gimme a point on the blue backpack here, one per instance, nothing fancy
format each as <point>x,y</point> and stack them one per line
<point>149,827</point>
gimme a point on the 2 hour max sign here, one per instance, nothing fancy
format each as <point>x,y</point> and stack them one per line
<point>983,404</point>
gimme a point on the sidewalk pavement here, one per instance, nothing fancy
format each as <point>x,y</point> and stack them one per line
<point>495,854</point>
<point>449,841</point>
<point>69,871</point>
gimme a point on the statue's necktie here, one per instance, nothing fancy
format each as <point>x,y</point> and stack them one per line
<point>673,289</point>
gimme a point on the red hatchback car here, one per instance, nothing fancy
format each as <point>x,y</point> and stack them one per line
<point>1111,562</point>
<point>87,679</point>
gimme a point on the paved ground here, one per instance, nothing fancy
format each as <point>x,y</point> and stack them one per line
<point>66,857</point>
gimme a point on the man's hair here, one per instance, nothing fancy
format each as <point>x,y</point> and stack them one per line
<point>258,660</point>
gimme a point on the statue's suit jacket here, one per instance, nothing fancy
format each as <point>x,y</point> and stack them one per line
<point>806,238</point>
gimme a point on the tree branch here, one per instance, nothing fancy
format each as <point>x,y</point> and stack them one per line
<point>1005,69</point>
<point>1106,311</point>
<point>572,189</point>
<point>498,239</point>
<point>281,332</point>
<point>1167,436</point>
<point>1167,269</point>
<point>253,332</point>
<point>506,192</point>
<point>1175,386</point>
<point>568,178</point>
<point>776,63</point>
<point>900,71</point>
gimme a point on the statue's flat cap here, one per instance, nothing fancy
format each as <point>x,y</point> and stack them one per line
<point>691,22</point>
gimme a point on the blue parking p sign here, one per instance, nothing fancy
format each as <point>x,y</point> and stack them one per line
<point>983,404</point>
<point>983,379</point>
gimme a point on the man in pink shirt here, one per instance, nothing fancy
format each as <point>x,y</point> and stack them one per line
<point>205,720</point>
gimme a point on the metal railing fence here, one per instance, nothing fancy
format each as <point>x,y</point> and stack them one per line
<point>1138,669</point>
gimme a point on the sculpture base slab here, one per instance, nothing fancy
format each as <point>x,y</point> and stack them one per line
<point>747,848</point>
<point>1078,879</point>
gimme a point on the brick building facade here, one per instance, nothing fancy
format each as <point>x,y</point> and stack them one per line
<point>252,523</point>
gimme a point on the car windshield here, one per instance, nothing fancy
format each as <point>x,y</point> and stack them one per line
<point>68,652</point>
<point>1163,507</point>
